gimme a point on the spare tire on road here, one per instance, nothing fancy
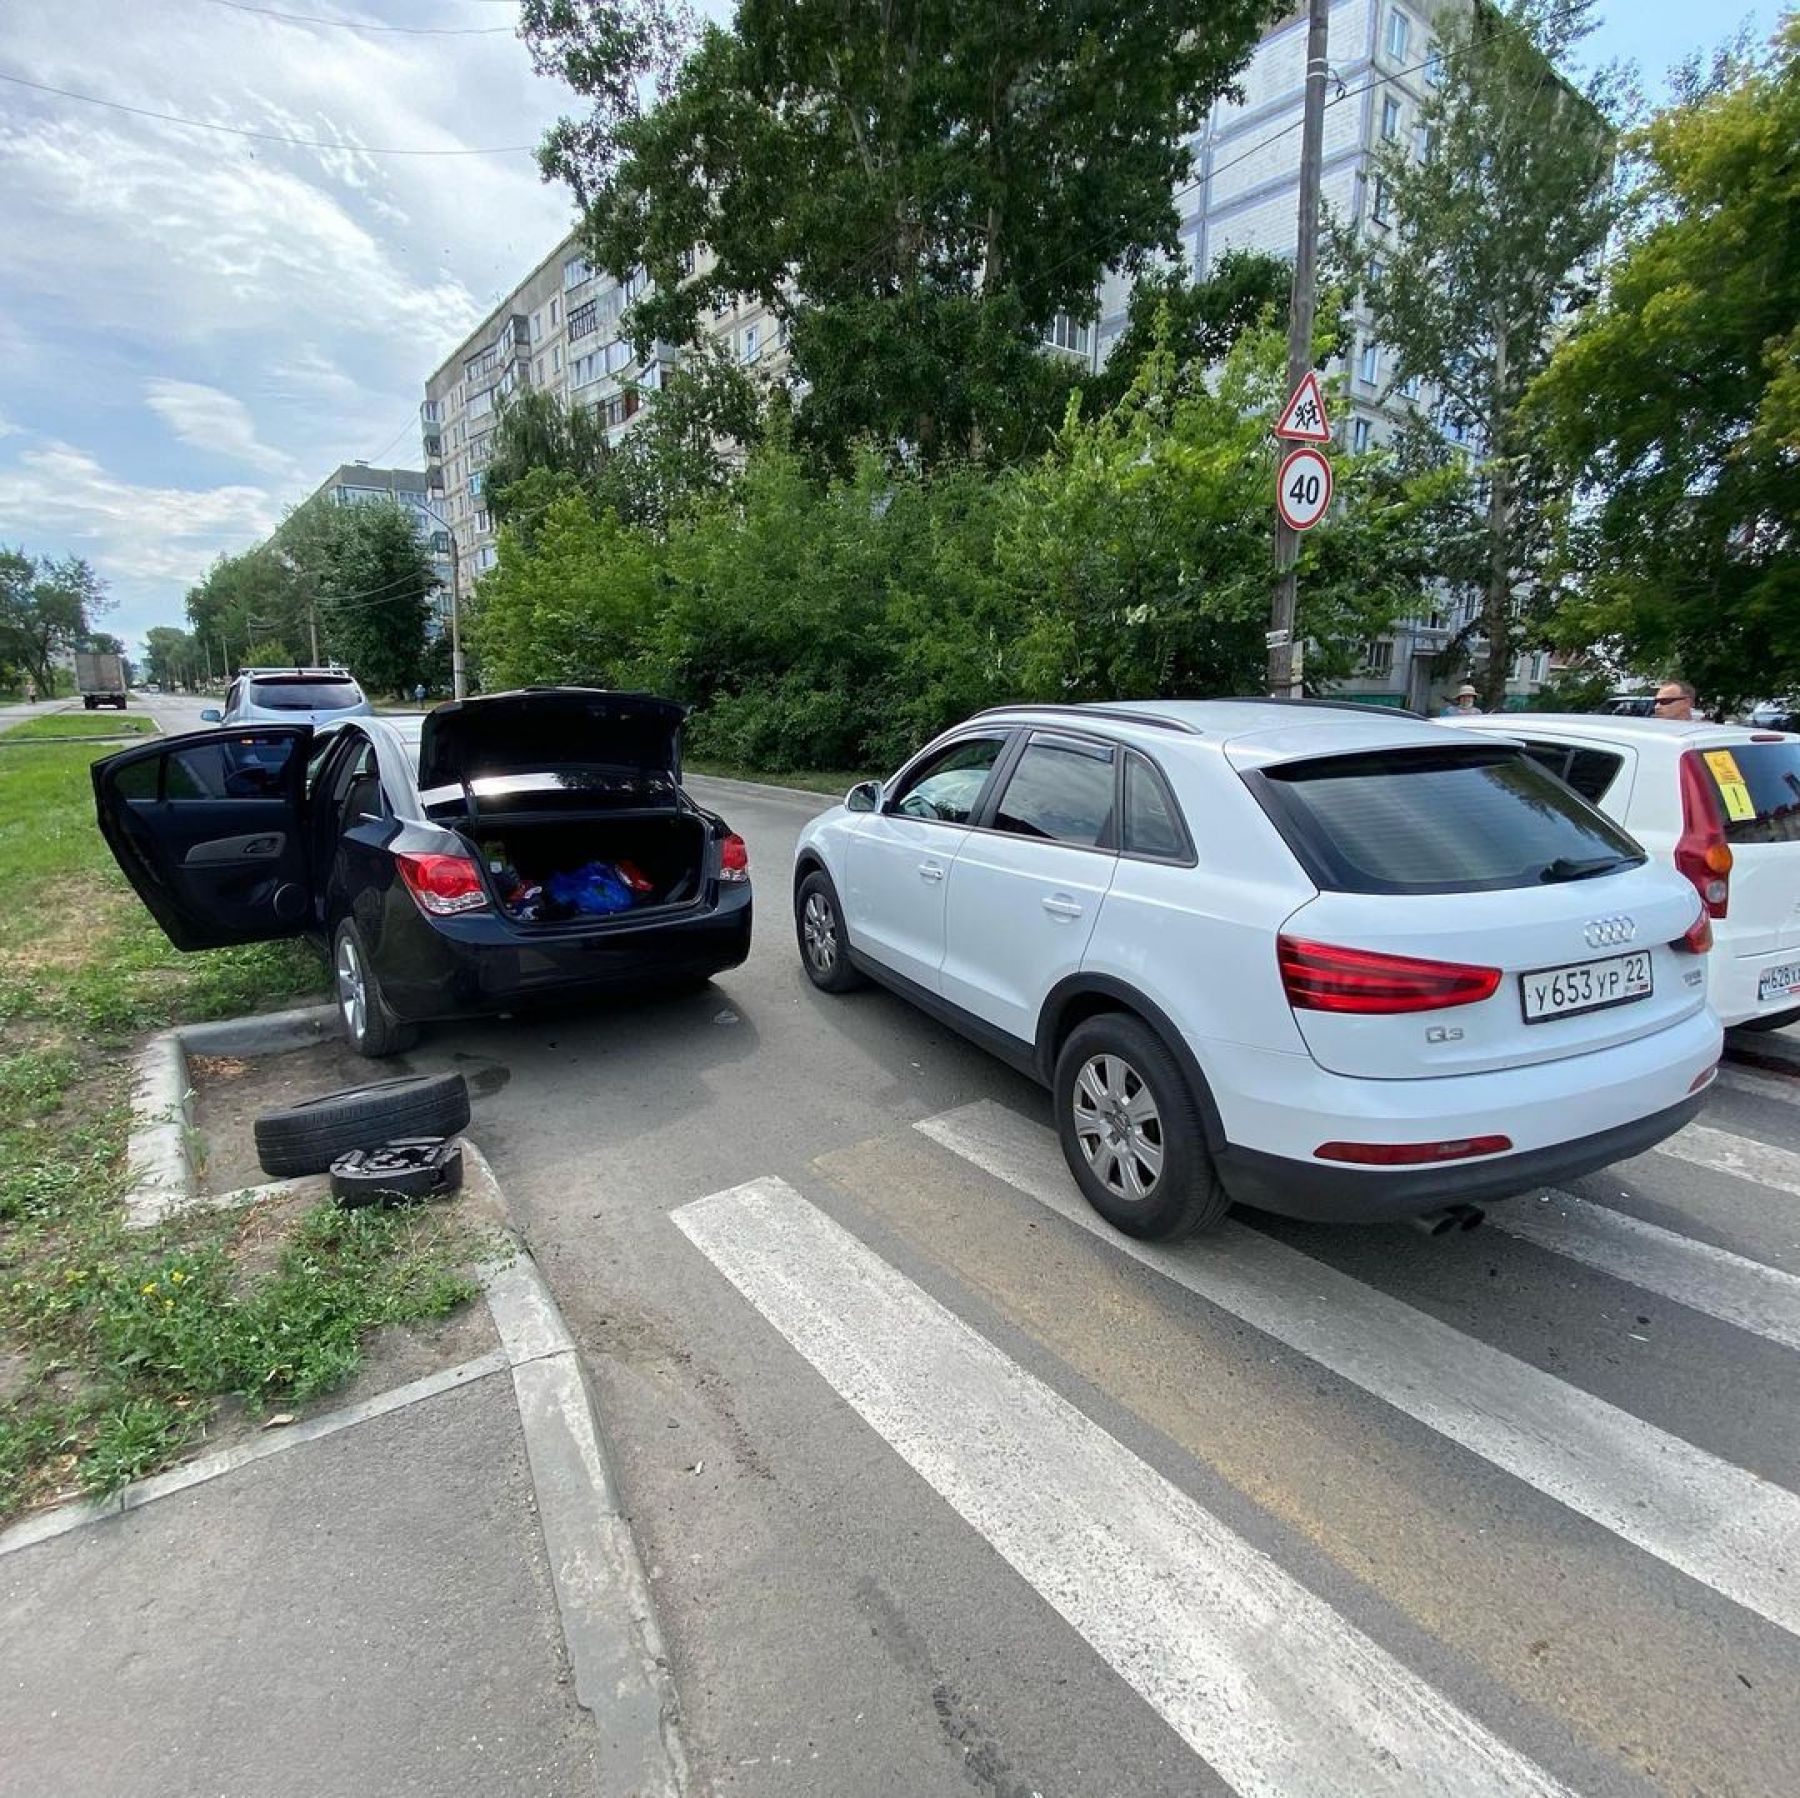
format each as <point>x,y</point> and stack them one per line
<point>307,1138</point>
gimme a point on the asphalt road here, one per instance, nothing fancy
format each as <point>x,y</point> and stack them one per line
<point>942,1490</point>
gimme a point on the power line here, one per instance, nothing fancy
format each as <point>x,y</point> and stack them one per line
<point>311,18</point>
<point>267,137</point>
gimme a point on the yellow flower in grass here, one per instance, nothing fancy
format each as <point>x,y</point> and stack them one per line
<point>150,1289</point>
<point>176,1277</point>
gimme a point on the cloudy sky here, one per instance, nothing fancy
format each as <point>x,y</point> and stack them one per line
<point>195,328</point>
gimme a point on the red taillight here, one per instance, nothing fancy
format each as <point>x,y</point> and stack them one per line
<point>734,859</point>
<point>1705,1077</point>
<point>1322,977</point>
<point>1411,1154</point>
<point>443,884</point>
<point>1698,937</point>
<point>1701,852</point>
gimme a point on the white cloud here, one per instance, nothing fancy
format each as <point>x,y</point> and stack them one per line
<point>275,304</point>
<point>212,421</point>
<point>149,542</point>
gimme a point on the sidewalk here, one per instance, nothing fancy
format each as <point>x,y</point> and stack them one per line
<point>367,1613</point>
<point>429,1593</point>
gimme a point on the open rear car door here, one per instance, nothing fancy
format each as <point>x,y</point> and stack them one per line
<point>207,828</point>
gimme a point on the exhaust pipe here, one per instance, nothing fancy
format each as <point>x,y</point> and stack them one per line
<point>1451,1217</point>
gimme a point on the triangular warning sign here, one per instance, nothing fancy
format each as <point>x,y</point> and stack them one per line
<point>1303,418</point>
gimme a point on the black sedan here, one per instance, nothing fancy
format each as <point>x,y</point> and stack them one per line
<point>497,850</point>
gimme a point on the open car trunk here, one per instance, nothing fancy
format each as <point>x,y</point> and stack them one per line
<point>583,870</point>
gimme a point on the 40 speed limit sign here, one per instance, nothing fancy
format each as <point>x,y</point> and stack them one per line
<point>1303,488</point>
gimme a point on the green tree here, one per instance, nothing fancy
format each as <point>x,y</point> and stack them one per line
<point>46,606</point>
<point>1677,398</point>
<point>253,597</point>
<point>919,188</point>
<point>542,448</point>
<point>367,570</point>
<point>171,657</point>
<point>1496,230</point>
<point>1194,319</point>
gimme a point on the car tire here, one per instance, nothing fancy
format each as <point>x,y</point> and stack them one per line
<point>369,1027</point>
<point>1156,1181</point>
<point>307,1138</point>
<point>819,930</point>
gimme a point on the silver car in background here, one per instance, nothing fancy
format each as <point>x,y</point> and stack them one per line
<point>290,696</point>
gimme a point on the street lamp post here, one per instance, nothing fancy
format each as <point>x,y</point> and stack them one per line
<point>458,679</point>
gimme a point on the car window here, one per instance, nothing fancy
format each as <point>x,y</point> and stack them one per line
<point>1759,790</point>
<point>303,693</point>
<point>1438,821</point>
<point>315,762</point>
<point>1152,824</point>
<point>139,780</point>
<point>1062,790</point>
<point>359,791</point>
<point>1589,771</point>
<point>946,787</point>
<point>234,768</point>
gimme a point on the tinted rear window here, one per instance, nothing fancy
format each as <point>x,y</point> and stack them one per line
<point>1431,821</point>
<point>1762,805</point>
<point>304,695</point>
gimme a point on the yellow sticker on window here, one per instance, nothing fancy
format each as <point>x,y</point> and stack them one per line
<point>1739,806</point>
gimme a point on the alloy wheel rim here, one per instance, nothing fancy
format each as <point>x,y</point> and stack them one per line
<point>1118,1127</point>
<point>353,998</point>
<point>820,929</point>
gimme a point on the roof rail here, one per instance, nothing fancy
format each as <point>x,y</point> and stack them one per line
<point>1325,705</point>
<point>1117,713</point>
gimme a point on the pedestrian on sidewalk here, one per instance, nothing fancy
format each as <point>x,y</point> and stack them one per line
<point>30,692</point>
<point>1465,706</point>
<point>1675,699</point>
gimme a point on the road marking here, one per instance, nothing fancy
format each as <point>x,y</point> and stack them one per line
<point>1764,1086</point>
<point>1280,1694</point>
<point>1717,1523</point>
<point>1725,1152</point>
<point>1736,1290</point>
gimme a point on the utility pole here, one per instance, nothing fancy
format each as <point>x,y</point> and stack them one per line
<point>312,618</point>
<point>458,676</point>
<point>1284,653</point>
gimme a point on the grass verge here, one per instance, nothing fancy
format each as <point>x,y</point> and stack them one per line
<point>805,780</point>
<point>116,1347</point>
<point>54,725</point>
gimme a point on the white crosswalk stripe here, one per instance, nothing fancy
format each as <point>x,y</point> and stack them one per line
<point>1278,1692</point>
<point>1716,1522</point>
<point>1764,1086</point>
<point>1724,1152</point>
<point>1755,1297</point>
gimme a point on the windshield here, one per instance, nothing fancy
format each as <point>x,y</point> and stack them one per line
<point>1759,790</point>
<point>1431,821</point>
<point>298,693</point>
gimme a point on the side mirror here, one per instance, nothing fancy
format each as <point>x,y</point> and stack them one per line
<point>212,715</point>
<point>865,796</point>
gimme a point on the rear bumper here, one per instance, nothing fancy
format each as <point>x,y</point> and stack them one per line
<point>474,965</point>
<point>1323,1193</point>
<point>1734,983</point>
<point>1564,1118</point>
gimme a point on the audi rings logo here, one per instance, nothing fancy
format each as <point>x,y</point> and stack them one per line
<point>1609,933</point>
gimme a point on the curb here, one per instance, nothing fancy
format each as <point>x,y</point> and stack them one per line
<point>609,1626</point>
<point>162,1130</point>
<point>757,789</point>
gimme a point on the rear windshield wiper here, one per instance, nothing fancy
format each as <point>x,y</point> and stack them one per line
<point>1563,868</point>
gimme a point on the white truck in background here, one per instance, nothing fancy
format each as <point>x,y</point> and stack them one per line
<point>101,678</point>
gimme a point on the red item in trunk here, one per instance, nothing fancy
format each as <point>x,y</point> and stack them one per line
<point>634,877</point>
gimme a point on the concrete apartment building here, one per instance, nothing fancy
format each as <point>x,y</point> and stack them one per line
<point>358,484</point>
<point>559,329</point>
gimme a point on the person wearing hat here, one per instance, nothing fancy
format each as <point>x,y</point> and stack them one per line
<point>1465,706</point>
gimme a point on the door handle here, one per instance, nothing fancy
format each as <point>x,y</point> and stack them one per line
<point>1059,907</point>
<point>931,871</point>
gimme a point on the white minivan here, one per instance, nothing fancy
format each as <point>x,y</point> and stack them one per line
<point>1721,802</point>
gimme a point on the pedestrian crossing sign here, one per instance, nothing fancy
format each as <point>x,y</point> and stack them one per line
<point>1303,419</point>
